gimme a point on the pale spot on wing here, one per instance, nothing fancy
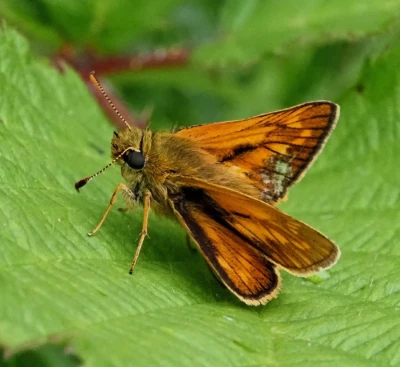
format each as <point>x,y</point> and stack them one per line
<point>275,175</point>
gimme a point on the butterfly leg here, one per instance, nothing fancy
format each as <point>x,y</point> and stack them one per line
<point>129,193</point>
<point>146,210</point>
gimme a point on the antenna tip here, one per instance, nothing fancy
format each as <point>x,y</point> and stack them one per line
<point>81,183</point>
<point>94,80</point>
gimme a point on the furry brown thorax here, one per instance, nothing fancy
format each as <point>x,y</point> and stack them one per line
<point>168,157</point>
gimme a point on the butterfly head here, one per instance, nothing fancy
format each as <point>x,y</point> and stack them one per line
<point>127,148</point>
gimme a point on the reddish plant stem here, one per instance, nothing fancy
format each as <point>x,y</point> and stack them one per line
<point>156,60</point>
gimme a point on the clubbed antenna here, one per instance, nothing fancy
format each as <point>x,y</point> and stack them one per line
<point>85,180</point>
<point>94,80</point>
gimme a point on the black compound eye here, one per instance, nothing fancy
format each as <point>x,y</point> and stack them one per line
<point>134,159</point>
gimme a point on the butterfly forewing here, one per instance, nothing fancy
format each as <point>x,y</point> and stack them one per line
<point>273,150</point>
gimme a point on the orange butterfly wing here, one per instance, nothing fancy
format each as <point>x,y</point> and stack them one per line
<point>285,241</point>
<point>272,150</point>
<point>244,269</point>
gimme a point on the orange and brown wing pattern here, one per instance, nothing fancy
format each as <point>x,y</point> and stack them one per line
<point>285,241</point>
<point>244,269</point>
<point>271,150</point>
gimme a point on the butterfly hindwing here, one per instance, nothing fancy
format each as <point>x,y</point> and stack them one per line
<point>244,269</point>
<point>285,241</point>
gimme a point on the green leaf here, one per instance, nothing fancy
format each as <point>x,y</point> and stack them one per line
<point>57,282</point>
<point>249,29</point>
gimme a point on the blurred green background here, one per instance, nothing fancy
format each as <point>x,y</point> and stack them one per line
<point>67,299</point>
<point>246,57</point>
